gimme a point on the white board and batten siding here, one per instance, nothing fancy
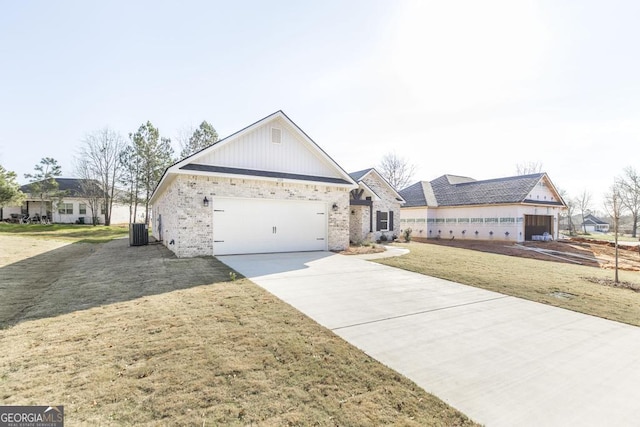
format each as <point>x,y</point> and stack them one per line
<point>271,147</point>
<point>242,226</point>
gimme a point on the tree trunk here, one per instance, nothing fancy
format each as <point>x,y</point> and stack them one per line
<point>616,233</point>
<point>107,210</point>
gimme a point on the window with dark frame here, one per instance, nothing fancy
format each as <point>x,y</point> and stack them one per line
<point>384,220</point>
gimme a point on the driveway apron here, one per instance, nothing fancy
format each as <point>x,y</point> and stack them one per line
<point>501,360</point>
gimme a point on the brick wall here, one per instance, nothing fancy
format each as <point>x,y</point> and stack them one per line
<point>187,225</point>
<point>387,203</point>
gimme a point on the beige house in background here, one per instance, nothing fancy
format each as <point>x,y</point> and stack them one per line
<point>71,208</point>
<point>516,209</point>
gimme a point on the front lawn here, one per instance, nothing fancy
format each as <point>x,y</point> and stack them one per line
<point>67,232</point>
<point>574,287</point>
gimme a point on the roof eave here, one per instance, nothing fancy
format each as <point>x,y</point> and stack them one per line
<point>263,178</point>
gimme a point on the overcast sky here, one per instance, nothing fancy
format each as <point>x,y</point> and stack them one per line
<point>470,88</point>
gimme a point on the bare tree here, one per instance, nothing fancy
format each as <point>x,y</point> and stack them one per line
<point>584,204</point>
<point>629,189</point>
<point>99,160</point>
<point>570,210</point>
<point>613,206</point>
<point>130,178</point>
<point>89,189</point>
<point>183,135</point>
<point>527,168</point>
<point>397,170</point>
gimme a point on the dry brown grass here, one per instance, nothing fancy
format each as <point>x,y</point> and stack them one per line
<point>372,248</point>
<point>155,340</point>
<point>574,287</point>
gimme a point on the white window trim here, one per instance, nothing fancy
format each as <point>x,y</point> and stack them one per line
<point>384,221</point>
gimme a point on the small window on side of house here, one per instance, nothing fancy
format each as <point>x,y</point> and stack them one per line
<point>82,208</point>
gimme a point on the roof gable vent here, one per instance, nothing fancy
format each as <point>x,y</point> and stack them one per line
<point>276,135</point>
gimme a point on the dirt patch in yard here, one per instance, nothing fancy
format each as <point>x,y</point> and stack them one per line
<point>579,252</point>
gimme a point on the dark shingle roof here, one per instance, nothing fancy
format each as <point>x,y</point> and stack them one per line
<point>414,195</point>
<point>451,190</point>
<point>591,219</point>
<point>267,174</point>
<point>71,186</point>
<point>357,176</point>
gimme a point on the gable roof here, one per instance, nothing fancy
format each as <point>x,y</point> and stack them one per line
<point>452,190</point>
<point>201,162</point>
<point>591,219</point>
<point>359,177</point>
<point>72,186</point>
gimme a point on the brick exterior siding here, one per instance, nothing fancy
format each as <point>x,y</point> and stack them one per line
<point>360,218</point>
<point>187,225</point>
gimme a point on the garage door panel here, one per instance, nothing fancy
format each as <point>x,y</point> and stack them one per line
<point>263,225</point>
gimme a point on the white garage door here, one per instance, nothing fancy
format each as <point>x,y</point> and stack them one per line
<point>245,226</point>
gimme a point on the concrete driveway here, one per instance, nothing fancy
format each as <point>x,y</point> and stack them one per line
<point>501,360</point>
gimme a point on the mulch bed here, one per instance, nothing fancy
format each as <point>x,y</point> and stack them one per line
<point>610,282</point>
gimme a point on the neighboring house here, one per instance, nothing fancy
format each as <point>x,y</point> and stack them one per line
<point>70,208</point>
<point>517,208</point>
<point>266,188</point>
<point>375,208</point>
<point>594,224</point>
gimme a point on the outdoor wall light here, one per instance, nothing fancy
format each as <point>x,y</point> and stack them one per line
<point>205,202</point>
<point>334,207</point>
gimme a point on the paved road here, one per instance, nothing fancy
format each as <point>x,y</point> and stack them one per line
<point>501,360</point>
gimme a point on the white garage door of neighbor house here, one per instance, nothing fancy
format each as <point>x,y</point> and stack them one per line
<point>246,226</point>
